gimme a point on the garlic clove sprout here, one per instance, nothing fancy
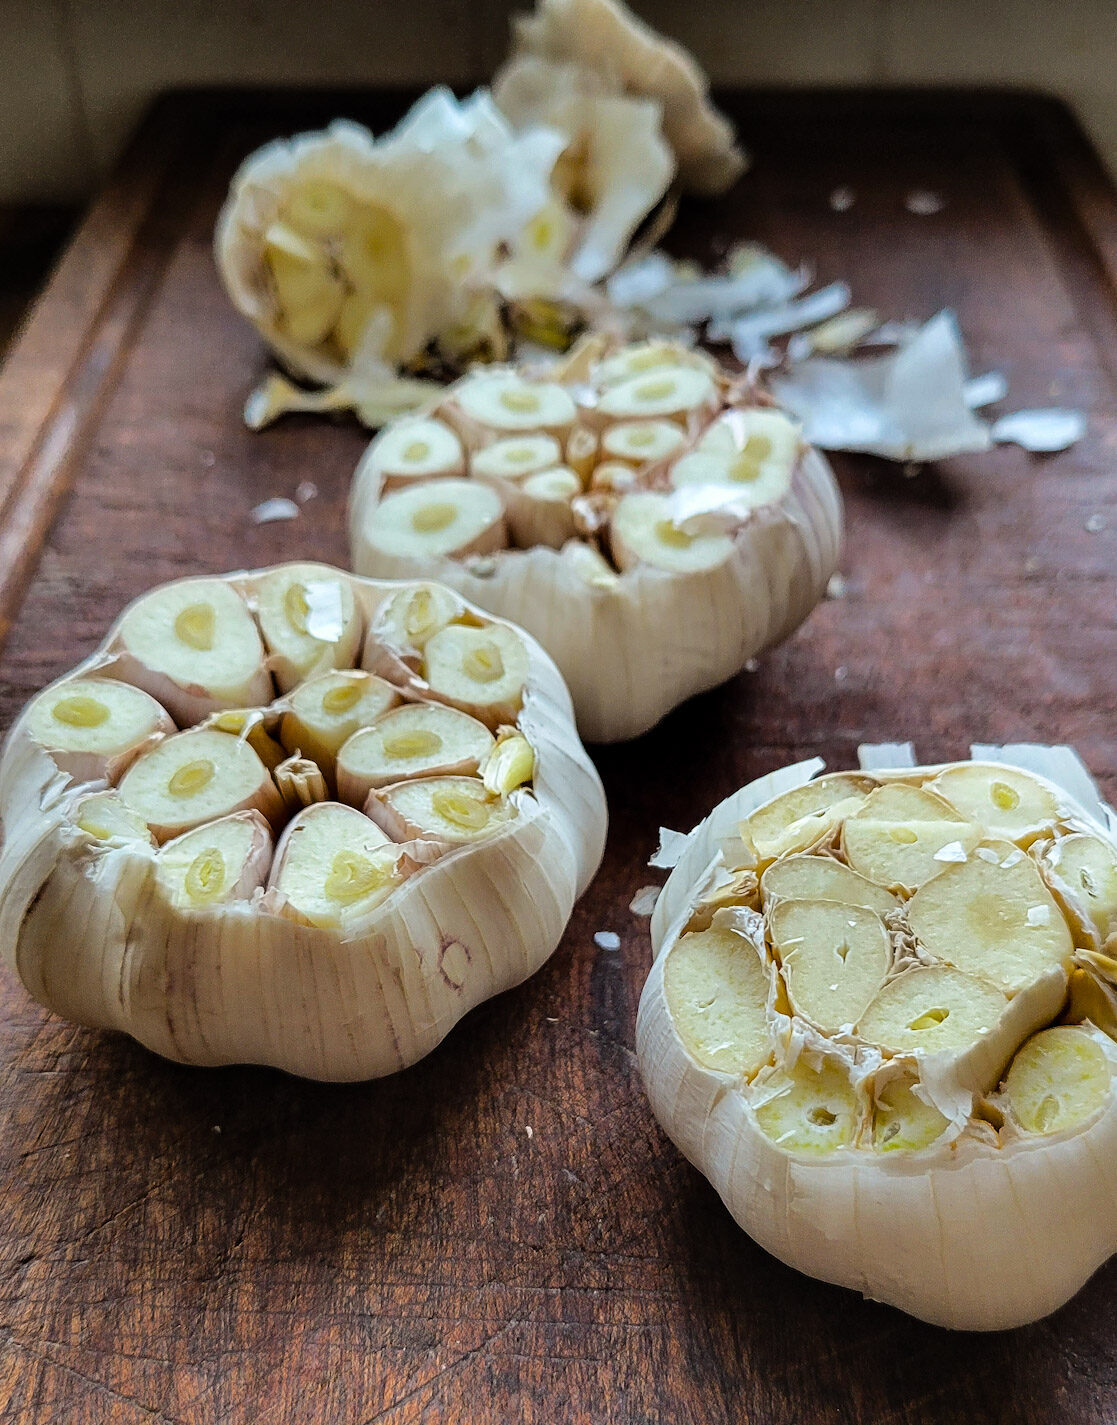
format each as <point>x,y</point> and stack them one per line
<point>805,815</point>
<point>194,646</point>
<point>450,517</point>
<point>195,777</point>
<point>1009,804</point>
<point>223,861</point>
<point>482,671</point>
<point>898,837</point>
<point>333,865</point>
<point>917,1148</point>
<point>95,727</point>
<point>513,457</point>
<point>640,442</point>
<point>416,449</point>
<point>509,763</point>
<point>456,811</point>
<point>822,878</point>
<point>644,531</point>
<point>324,712</point>
<point>717,987</point>
<point>419,740</point>
<point>992,916</point>
<point>1083,870</point>
<point>834,959</point>
<point>309,621</point>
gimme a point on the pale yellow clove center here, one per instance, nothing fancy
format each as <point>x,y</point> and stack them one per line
<point>519,402</point>
<point>191,778</point>
<point>1004,797</point>
<point>351,877</point>
<point>428,519</point>
<point>484,664</point>
<point>340,699</point>
<point>296,607</point>
<point>412,744</point>
<point>80,711</point>
<point>417,450</point>
<point>205,879</point>
<point>671,535</point>
<point>470,813</point>
<point>195,626</point>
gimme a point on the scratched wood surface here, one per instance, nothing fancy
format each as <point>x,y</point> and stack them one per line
<point>502,1233</point>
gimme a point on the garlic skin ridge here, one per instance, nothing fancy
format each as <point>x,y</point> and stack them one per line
<point>668,636</point>
<point>968,1233</point>
<point>93,935</point>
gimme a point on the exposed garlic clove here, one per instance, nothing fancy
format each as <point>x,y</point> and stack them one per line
<point>902,1121</point>
<point>1059,1081</point>
<point>642,442</point>
<point>539,510</point>
<point>95,727</point>
<point>644,532</point>
<point>668,393</point>
<point>196,777</point>
<point>813,1111</point>
<point>613,477</point>
<point>334,866</point>
<point>514,457</point>
<point>194,646</point>
<point>482,671</point>
<point>1083,871</point>
<point>309,293</point>
<point>405,621</point>
<point>802,817</point>
<point>301,783</point>
<point>251,726</point>
<point>509,764</point>
<point>1008,804</point>
<point>416,449</point>
<point>822,878</point>
<point>896,838</point>
<point>223,861</point>
<point>582,450</point>
<point>418,740</point>
<point>324,712</point>
<point>453,810</point>
<point>309,620</point>
<point>717,988</point>
<point>994,917</point>
<point>104,817</point>
<point>640,358</point>
<point>834,959</point>
<point>504,403</point>
<point>449,518</point>
<point>751,452</point>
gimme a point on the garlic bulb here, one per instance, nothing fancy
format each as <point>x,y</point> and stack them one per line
<point>350,254</point>
<point>605,41</point>
<point>321,873</point>
<point>878,1021</point>
<point>646,516</point>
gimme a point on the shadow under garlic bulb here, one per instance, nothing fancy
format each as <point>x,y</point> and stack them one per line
<point>650,519</point>
<point>295,818</point>
<point>881,1019</point>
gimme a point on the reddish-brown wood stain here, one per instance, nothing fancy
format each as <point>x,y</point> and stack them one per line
<point>503,1233</point>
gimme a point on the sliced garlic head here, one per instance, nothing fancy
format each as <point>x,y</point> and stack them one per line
<point>516,456</point>
<point>309,621</point>
<point>214,864</point>
<point>644,531</point>
<point>588,534</point>
<point>890,1063</point>
<point>229,900</point>
<point>93,727</point>
<point>195,647</point>
<point>419,740</point>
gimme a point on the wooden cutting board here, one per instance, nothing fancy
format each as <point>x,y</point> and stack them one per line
<point>502,1233</point>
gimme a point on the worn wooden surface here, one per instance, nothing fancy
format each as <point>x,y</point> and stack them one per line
<point>502,1233</point>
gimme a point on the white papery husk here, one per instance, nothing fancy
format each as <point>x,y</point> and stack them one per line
<point>622,164</point>
<point>607,39</point>
<point>93,936</point>
<point>633,645</point>
<point>963,1234</point>
<point>454,176</point>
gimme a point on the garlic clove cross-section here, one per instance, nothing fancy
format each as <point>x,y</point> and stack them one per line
<point>637,498</point>
<point>890,1064</point>
<point>324,880</point>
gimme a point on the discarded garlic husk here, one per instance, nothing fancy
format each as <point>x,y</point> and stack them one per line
<point>894,1074</point>
<point>225,901</point>
<point>681,582</point>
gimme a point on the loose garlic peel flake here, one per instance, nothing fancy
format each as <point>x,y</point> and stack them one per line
<point>216,888</point>
<point>891,1069</point>
<point>568,516</point>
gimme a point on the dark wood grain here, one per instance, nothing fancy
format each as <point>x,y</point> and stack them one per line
<point>502,1233</point>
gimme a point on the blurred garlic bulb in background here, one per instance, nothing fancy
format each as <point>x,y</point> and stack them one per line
<point>649,518</point>
<point>323,872</point>
<point>879,1021</point>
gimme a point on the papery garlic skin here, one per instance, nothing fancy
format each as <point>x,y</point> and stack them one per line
<point>965,1223</point>
<point>183,947</point>
<point>669,626</point>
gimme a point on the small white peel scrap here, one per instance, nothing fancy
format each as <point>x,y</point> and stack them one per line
<point>1043,431</point>
<point>672,844</point>
<point>277,508</point>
